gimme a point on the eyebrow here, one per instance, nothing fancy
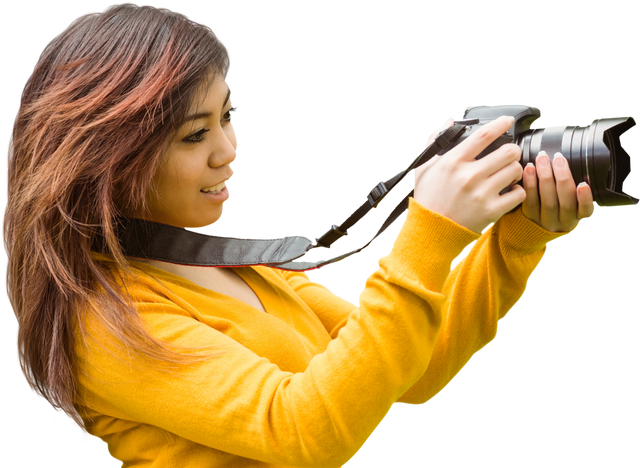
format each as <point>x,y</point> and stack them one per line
<point>201,115</point>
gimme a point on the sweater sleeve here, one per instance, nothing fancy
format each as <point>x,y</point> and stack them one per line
<point>241,403</point>
<point>480,291</point>
<point>333,311</point>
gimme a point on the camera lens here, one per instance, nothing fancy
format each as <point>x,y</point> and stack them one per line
<point>594,154</point>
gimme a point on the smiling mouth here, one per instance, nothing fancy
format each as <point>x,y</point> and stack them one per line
<point>216,188</point>
<point>221,195</point>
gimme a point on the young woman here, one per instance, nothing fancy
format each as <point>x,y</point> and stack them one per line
<point>128,113</point>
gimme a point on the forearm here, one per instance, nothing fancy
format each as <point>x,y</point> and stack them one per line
<point>480,291</point>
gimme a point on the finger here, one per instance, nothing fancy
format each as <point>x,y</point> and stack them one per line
<point>566,189</point>
<point>516,196</point>
<point>531,205</point>
<point>446,123</point>
<point>547,191</point>
<point>481,138</point>
<point>585,200</point>
<point>497,160</point>
<point>417,173</point>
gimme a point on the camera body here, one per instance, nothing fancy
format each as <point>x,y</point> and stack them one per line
<point>593,153</point>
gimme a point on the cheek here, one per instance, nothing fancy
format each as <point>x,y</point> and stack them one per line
<point>180,176</point>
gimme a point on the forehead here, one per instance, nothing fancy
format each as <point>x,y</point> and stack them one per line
<point>212,96</point>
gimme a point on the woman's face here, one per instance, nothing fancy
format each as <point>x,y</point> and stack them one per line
<point>190,182</point>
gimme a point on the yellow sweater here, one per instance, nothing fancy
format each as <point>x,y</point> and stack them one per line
<point>305,383</point>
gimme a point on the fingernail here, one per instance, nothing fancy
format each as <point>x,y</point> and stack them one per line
<point>561,161</point>
<point>582,184</point>
<point>542,153</point>
<point>530,168</point>
<point>542,159</point>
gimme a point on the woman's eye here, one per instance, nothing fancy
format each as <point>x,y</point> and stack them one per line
<point>231,113</point>
<point>196,137</point>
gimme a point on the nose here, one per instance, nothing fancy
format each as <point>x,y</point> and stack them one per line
<point>223,148</point>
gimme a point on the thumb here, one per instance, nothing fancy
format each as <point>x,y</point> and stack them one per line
<point>448,122</point>
<point>417,173</point>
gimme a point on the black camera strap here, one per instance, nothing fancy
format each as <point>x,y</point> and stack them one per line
<point>154,241</point>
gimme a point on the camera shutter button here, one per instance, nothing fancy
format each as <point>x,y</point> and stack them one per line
<point>466,121</point>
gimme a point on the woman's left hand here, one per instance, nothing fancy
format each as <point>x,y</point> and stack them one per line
<point>555,203</point>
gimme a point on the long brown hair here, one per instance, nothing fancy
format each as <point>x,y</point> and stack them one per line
<point>104,98</point>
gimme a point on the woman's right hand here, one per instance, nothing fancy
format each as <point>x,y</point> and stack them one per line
<point>466,190</point>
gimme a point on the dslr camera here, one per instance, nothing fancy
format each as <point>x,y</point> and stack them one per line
<point>593,153</point>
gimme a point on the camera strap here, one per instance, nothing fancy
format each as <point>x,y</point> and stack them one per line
<point>154,241</point>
